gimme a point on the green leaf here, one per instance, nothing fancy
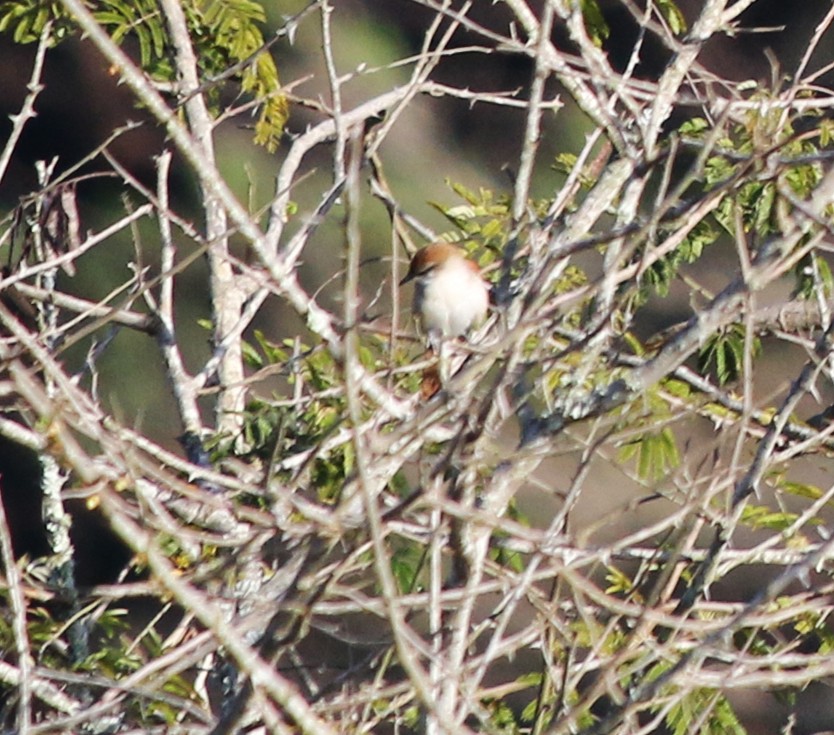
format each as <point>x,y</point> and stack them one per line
<point>595,24</point>
<point>232,28</point>
<point>618,582</point>
<point>690,709</point>
<point>671,12</point>
<point>724,353</point>
<point>695,127</point>
<point>225,33</point>
<point>677,388</point>
<point>406,565</point>
<point>656,451</point>
<point>801,489</point>
<point>26,19</point>
<point>813,277</point>
<point>565,162</point>
<point>274,354</point>
<point>760,516</point>
<point>251,356</point>
<point>826,132</point>
<point>663,271</point>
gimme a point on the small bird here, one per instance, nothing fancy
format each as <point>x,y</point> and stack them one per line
<point>450,298</point>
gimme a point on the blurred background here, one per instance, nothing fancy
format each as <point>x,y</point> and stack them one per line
<point>437,141</point>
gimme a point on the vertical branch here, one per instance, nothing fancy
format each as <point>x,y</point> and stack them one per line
<point>405,641</point>
<point>21,636</point>
<point>182,384</point>
<point>534,115</point>
<point>226,295</point>
<point>436,632</point>
<point>57,522</point>
<point>27,111</point>
<point>335,91</point>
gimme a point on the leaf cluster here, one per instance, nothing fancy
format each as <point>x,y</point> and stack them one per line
<point>227,36</point>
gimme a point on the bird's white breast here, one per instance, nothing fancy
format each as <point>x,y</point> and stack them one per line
<point>451,299</point>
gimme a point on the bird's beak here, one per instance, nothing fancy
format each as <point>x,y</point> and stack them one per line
<point>408,277</point>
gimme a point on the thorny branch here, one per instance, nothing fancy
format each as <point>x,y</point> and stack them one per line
<point>550,538</point>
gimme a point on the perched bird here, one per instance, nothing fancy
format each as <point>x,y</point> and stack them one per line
<point>450,298</point>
